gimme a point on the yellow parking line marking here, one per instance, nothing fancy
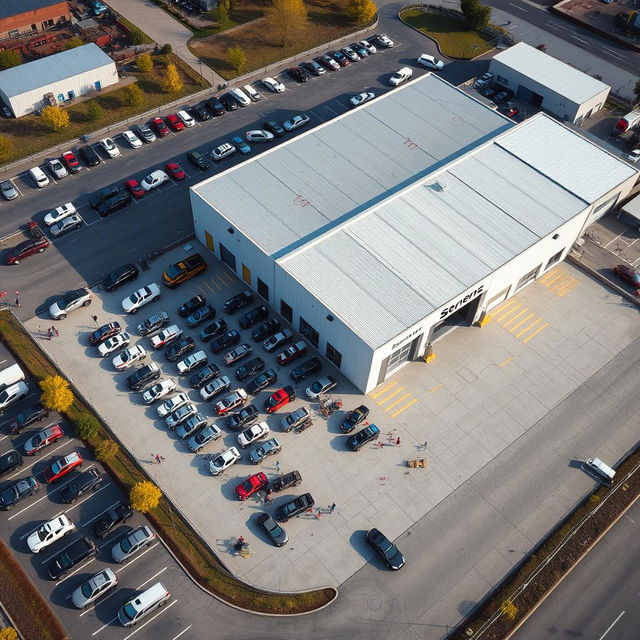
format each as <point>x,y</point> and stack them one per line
<point>548,282</point>
<point>395,393</point>
<point>535,333</point>
<point>528,327</point>
<point>406,395</point>
<point>510,320</point>
<point>506,362</point>
<point>504,306</point>
<point>438,386</point>
<point>406,406</point>
<point>508,313</point>
<point>377,393</point>
<point>227,277</point>
<point>522,322</point>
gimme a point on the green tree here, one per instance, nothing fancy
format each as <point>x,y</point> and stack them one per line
<point>6,149</point>
<point>10,58</point>
<point>480,18</point>
<point>287,20</point>
<point>107,450</point>
<point>87,427</point>
<point>73,42</point>
<point>145,63</point>
<point>237,58</point>
<point>133,95</point>
<point>166,49</point>
<point>467,7</point>
<point>136,37</point>
<point>361,11</point>
<point>221,13</point>
<point>144,496</point>
<point>56,394</point>
<point>8,633</point>
<point>94,111</point>
<point>171,82</point>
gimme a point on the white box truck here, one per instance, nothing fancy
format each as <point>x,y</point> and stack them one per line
<point>10,376</point>
<point>605,471</point>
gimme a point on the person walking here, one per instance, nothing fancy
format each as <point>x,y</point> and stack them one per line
<point>56,332</point>
<point>278,466</point>
<point>332,508</point>
<point>49,333</point>
<point>17,302</point>
<point>95,319</point>
<point>159,458</point>
<point>398,442</point>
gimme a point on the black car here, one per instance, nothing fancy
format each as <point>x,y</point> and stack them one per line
<point>277,534</point>
<point>307,368</point>
<point>89,155</point>
<point>354,418</point>
<point>228,102</point>
<point>265,329</point>
<point>503,96</point>
<point>201,112</point>
<point>179,347</point>
<point>298,74</point>
<point>198,380</point>
<point>312,68</point>
<point>387,550</point>
<point>362,437</point>
<point>69,557</point>
<point>35,414</point>
<point>120,276</point>
<point>103,195</point>
<point>198,160</point>
<point>143,376</point>
<point>229,339</point>
<point>215,106</point>
<point>153,323</point>
<point>237,302</point>
<point>212,330</point>
<point>200,315</point>
<point>82,482</point>
<point>261,381</point>
<point>18,491</point>
<point>110,519</point>
<point>188,307</point>
<point>248,319</point>
<point>274,127</point>
<point>104,332</point>
<point>294,507</point>
<point>10,461</point>
<point>117,202</point>
<point>249,368</point>
<point>286,481</point>
<point>239,419</point>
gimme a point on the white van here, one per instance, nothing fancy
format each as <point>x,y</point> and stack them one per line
<point>187,120</point>
<point>241,97</point>
<point>143,604</point>
<point>10,376</point>
<point>12,394</point>
<point>251,92</point>
<point>38,177</point>
<point>599,467</point>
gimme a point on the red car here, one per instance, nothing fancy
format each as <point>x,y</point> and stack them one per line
<point>292,353</point>
<point>42,439</point>
<point>161,128</point>
<point>71,161</point>
<point>134,188</point>
<point>63,466</point>
<point>511,112</point>
<point>36,243</point>
<point>256,482</point>
<point>278,399</point>
<point>175,171</point>
<point>175,123</point>
<point>629,275</point>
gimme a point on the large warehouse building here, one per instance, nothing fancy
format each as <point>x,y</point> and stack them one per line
<point>375,232</point>
<point>548,83</point>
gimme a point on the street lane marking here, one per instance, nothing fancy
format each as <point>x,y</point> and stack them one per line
<point>436,388</point>
<point>611,626</point>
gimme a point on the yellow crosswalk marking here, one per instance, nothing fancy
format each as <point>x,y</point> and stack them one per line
<point>398,401</point>
<point>381,391</point>
<point>521,322</point>
<point>514,318</point>
<point>395,393</point>
<point>528,327</point>
<point>536,332</point>
<point>406,406</point>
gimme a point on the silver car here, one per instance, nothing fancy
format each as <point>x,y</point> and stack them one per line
<point>203,437</point>
<point>127,547</point>
<point>8,189</point>
<point>267,448</point>
<point>67,224</point>
<point>180,415</point>
<point>70,301</point>
<point>93,588</point>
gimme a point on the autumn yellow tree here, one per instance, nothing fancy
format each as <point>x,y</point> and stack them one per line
<point>145,62</point>
<point>56,118</point>
<point>287,20</point>
<point>509,609</point>
<point>56,394</point>
<point>361,11</point>
<point>133,95</point>
<point>144,496</point>
<point>172,82</point>
<point>8,633</point>
<point>107,450</point>
<point>237,58</point>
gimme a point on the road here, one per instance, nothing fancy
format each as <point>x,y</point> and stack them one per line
<point>600,598</point>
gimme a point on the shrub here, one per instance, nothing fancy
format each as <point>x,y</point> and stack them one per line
<point>133,95</point>
<point>94,111</point>
<point>145,63</point>
<point>87,427</point>
<point>10,58</point>
<point>166,49</point>
<point>107,450</point>
<point>136,37</point>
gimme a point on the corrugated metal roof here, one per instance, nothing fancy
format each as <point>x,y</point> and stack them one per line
<point>10,8</point>
<point>550,72</point>
<point>45,71</point>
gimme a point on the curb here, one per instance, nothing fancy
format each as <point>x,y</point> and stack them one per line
<point>6,615</point>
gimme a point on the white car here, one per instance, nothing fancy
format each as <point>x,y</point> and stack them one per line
<point>252,93</point>
<point>384,40</point>
<point>634,156</point>
<point>323,385</point>
<point>484,80</point>
<point>191,362</point>
<point>132,139</point>
<point>141,297</point>
<point>368,46</point>
<point>296,122</point>
<point>187,120</point>
<point>213,388</point>
<point>223,461</point>
<point>222,151</point>
<point>255,432</point>
<point>110,147</point>
<point>274,85</point>
<point>166,336</point>
<point>66,224</point>
<point>400,76</point>
<point>172,404</point>
<point>59,213</point>
<point>49,532</point>
<point>154,180</point>
<point>129,357</point>
<point>70,301</point>
<point>259,135</point>
<point>93,588</point>
<point>113,344</point>
<point>57,169</point>
<point>361,98</point>
<point>159,390</point>
<point>430,62</point>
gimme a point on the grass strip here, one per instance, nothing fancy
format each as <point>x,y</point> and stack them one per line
<point>186,544</point>
<point>132,27</point>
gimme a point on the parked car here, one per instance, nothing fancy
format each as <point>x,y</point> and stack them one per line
<point>214,329</point>
<point>190,426</point>
<point>215,106</point>
<point>153,323</point>
<point>274,127</point>
<point>314,68</point>
<point>17,492</point>
<point>259,135</point>
<point>277,339</point>
<point>203,437</point>
<point>9,461</point>
<point>121,275</point>
<point>255,432</point>
<point>89,155</point>
<point>239,419</point>
<point>114,204</point>
<point>248,319</point>
<point>174,170</point>
<point>110,519</point>
<point>29,416</point>
<point>170,405</point>
<point>129,357</point>
<point>237,302</point>
<point>104,332</point>
<point>226,340</point>
<point>119,341</point>
<point>354,418</point>
<point>230,402</point>
<point>57,169</point>
<point>201,315</point>
<point>273,85</point>
<point>192,362</point>
<point>223,461</point>
<point>382,40</point>
<point>59,213</point>
<point>361,98</point>
<point>109,147</point>
<point>294,507</point>
<point>36,242</point>
<point>160,127</point>
<point>131,544</point>
<point>275,532</point>
<point>251,93</point>
<point>388,551</point>
<point>295,419</point>
<point>261,381</point>
<point>144,376</point>
<point>70,301</point>
<point>400,76</point>
<point>201,112</point>
<point>350,53</point>
<point>298,74</point>
<point>228,102</point>
<point>139,298</point>
<point>239,353</point>
<point>296,122</point>
<point>292,353</point>
<point>71,162</point>
<point>89,480</point>
<point>256,482</point>
<point>186,119</point>
<point>286,481</point>
<point>166,336</point>
<point>240,145</point>
<point>46,534</point>
<point>72,555</point>
<point>215,387</point>
<point>279,399</point>
<point>191,305</point>
<point>145,133</point>
<point>132,139</point>
<point>265,329</point>
<point>430,62</point>
<point>8,189</point>
<point>179,348</point>
<point>104,194</point>
<point>327,62</point>
<point>42,439</point>
<point>154,180</point>
<point>12,394</point>
<point>222,151</point>
<point>340,58</point>
<point>503,96</point>
<point>158,391</point>
<point>93,588</point>
<point>175,419</point>
<point>62,467</point>
<point>359,49</point>
<point>484,80</point>
<point>323,385</point>
<point>307,368</point>
<point>198,160</point>
<point>205,375</point>
<point>628,275</point>
<point>249,368</point>
<point>362,437</point>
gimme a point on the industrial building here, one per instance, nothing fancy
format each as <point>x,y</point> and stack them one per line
<point>375,233</point>
<point>548,84</point>
<point>56,79</point>
<point>21,17</point>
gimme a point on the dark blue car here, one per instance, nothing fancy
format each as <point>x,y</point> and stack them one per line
<point>362,437</point>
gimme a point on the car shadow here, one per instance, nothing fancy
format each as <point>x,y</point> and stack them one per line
<point>358,540</point>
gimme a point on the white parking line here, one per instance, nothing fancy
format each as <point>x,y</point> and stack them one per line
<point>155,575</point>
<point>88,522</point>
<point>184,631</point>
<point>43,561</point>
<point>22,470</point>
<point>153,546</point>
<point>150,620</point>
<point>106,624</point>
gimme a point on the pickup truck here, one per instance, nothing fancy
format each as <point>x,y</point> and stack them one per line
<point>184,270</point>
<point>36,242</point>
